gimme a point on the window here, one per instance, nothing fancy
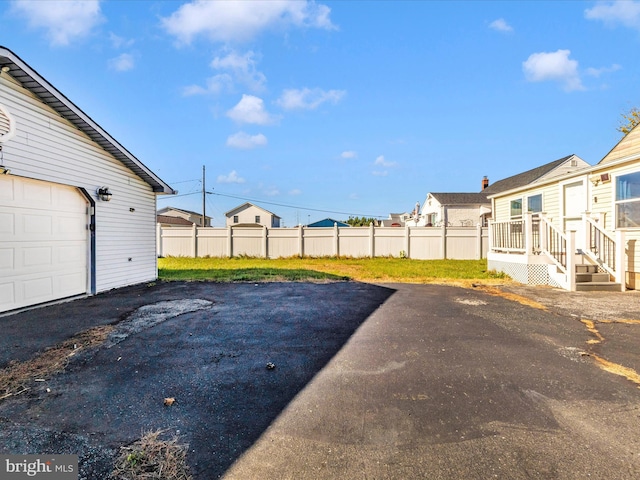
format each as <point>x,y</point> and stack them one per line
<point>628,200</point>
<point>257,218</point>
<point>516,208</point>
<point>534,203</point>
<point>235,219</point>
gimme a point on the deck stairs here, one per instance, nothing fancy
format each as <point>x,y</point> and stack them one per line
<point>590,278</point>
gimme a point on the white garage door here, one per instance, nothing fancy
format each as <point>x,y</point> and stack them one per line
<point>44,242</point>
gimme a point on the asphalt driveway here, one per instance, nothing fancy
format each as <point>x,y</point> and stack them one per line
<point>370,381</point>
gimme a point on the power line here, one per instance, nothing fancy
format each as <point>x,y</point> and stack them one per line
<point>296,206</point>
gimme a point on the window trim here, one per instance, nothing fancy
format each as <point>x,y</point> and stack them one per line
<point>626,201</point>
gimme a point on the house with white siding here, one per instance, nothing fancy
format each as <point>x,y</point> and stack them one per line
<point>578,230</point>
<point>192,218</point>
<point>249,214</point>
<point>77,209</point>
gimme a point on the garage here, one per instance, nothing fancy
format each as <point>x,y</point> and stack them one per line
<point>77,209</point>
<point>44,242</point>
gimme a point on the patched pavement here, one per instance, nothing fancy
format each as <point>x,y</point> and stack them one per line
<point>370,381</point>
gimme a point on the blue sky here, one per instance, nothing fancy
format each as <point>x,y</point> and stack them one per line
<point>331,109</point>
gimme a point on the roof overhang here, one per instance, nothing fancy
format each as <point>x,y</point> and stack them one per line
<point>49,95</point>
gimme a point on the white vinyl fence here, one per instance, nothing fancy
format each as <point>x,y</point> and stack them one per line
<point>423,243</point>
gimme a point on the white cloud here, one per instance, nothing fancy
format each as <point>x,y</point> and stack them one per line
<point>242,68</point>
<point>63,21</point>
<point>380,161</point>
<point>295,191</point>
<point>215,85</point>
<point>596,72</point>
<point>225,21</point>
<point>349,154</point>
<point>122,62</point>
<point>270,191</point>
<point>557,66</point>
<point>501,25</point>
<point>120,42</point>
<point>251,109</point>
<point>307,98</point>
<point>232,177</point>
<point>245,141</point>
<point>623,12</point>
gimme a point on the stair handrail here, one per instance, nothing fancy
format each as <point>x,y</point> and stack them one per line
<point>553,244</point>
<point>600,246</point>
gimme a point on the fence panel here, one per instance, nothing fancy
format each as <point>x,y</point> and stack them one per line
<point>423,243</point>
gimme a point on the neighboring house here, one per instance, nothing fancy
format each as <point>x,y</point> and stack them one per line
<point>249,214</point>
<point>470,209</point>
<point>559,229</point>
<point>77,210</point>
<point>396,220</point>
<point>328,222</point>
<point>191,217</point>
<point>169,221</point>
<point>455,209</point>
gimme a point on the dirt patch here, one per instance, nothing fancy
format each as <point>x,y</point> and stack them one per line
<point>152,458</point>
<point>19,377</point>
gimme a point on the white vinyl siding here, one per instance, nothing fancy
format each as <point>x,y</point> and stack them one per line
<point>47,147</point>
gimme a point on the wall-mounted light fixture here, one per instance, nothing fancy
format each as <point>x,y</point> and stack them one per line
<point>3,170</point>
<point>104,194</point>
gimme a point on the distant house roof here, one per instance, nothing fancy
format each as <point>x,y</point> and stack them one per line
<point>328,222</point>
<point>190,212</point>
<point>524,178</point>
<point>169,220</point>
<point>49,95</point>
<point>460,198</point>
<point>246,205</point>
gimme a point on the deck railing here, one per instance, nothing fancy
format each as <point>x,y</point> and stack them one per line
<point>601,246</point>
<point>554,244</point>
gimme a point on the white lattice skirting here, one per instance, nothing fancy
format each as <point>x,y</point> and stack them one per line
<point>524,273</point>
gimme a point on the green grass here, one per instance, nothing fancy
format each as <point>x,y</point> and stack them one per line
<point>387,270</point>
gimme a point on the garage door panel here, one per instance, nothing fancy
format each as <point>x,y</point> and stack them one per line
<point>37,290</point>
<point>7,260</point>
<point>7,296</point>
<point>6,189</point>
<point>39,257</point>
<point>44,243</point>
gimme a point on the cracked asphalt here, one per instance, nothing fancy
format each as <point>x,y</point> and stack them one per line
<point>389,381</point>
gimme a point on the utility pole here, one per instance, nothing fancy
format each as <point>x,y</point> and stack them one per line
<point>204,203</point>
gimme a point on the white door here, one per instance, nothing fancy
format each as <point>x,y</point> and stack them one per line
<point>44,242</point>
<point>575,196</point>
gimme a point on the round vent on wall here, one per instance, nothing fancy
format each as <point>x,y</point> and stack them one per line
<point>7,125</point>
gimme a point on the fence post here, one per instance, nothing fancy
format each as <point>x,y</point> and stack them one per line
<point>443,241</point>
<point>478,241</point>
<point>336,240</point>
<point>528,233</point>
<point>158,240</point>
<point>265,242</point>
<point>407,240</point>
<point>621,260</point>
<point>586,231</point>
<point>372,241</point>
<point>300,241</point>
<point>571,266</point>
<point>194,245</point>
<point>230,241</point>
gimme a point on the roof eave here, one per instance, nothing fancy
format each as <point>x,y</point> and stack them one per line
<point>49,95</point>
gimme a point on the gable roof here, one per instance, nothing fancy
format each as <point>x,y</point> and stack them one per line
<point>460,198</point>
<point>525,178</point>
<point>49,95</point>
<point>168,219</point>
<point>328,222</point>
<point>628,145</point>
<point>190,212</point>
<point>246,205</point>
